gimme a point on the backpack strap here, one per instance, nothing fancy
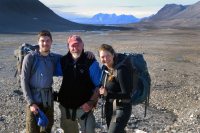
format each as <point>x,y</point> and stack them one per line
<point>147,103</point>
<point>34,62</point>
<point>70,115</point>
<point>53,58</point>
<point>73,118</point>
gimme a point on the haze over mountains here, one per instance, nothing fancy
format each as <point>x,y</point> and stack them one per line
<point>32,16</point>
<point>172,15</point>
<point>108,19</point>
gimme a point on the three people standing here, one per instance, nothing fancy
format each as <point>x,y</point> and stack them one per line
<point>79,91</point>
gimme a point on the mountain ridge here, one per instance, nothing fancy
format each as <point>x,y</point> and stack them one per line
<point>173,15</point>
<point>32,16</point>
<point>108,19</point>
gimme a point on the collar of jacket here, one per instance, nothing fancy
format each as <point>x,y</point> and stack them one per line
<point>49,54</point>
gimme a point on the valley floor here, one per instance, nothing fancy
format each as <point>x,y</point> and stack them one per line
<point>173,58</point>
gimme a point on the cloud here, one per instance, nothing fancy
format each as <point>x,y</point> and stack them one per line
<point>129,6</point>
<point>69,15</point>
<point>61,6</point>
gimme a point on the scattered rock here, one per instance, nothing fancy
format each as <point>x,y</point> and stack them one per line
<point>175,92</point>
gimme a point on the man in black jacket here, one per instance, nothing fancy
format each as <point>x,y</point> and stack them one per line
<point>77,95</point>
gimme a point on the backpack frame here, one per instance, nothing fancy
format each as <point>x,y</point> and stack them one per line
<point>20,53</point>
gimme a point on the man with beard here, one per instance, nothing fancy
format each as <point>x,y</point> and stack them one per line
<point>78,93</point>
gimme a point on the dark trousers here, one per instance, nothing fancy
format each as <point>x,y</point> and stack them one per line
<point>123,113</point>
<point>31,125</point>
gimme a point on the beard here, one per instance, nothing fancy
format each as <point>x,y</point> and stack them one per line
<point>76,55</point>
<point>44,51</point>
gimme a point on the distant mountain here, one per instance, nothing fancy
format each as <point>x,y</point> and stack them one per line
<point>32,16</point>
<point>167,12</point>
<point>108,19</point>
<point>191,12</point>
<point>172,15</point>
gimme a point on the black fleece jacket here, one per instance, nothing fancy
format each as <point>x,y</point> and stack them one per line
<point>77,87</point>
<point>124,81</point>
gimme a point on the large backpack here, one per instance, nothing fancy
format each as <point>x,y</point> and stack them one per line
<point>20,53</point>
<point>142,91</point>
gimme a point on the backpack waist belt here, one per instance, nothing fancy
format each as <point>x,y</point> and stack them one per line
<point>46,94</point>
<point>117,102</point>
<point>120,100</point>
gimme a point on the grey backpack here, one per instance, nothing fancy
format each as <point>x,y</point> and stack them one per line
<point>20,53</point>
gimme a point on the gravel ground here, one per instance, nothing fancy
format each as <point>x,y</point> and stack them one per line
<point>173,58</point>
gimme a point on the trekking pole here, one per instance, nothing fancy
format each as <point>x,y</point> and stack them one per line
<point>102,110</point>
<point>102,100</point>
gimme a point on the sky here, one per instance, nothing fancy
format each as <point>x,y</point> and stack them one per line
<point>71,9</point>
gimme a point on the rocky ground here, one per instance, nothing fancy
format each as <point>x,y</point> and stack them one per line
<point>173,58</point>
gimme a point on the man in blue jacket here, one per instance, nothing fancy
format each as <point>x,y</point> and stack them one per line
<point>38,70</point>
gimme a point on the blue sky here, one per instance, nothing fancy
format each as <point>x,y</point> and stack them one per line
<point>71,9</point>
